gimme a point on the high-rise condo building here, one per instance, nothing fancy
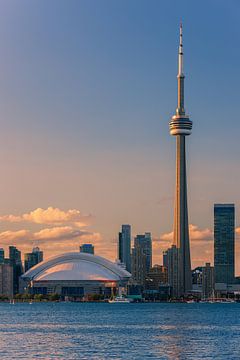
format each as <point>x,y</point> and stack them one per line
<point>145,243</point>
<point>180,127</point>
<point>207,281</point>
<point>224,243</point>
<point>141,258</point>
<point>16,262</point>
<point>124,246</point>
<point>171,263</point>
<point>87,248</point>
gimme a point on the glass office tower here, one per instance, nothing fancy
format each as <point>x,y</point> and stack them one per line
<point>224,243</point>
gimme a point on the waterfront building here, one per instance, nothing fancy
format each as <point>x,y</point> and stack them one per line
<point>16,262</point>
<point>75,275</point>
<point>180,127</point>
<point>33,258</point>
<point>87,248</point>
<point>2,256</point>
<point>207,281</point>
<point>224,243</point>
<point>124,246</point>
<point>6,280</point>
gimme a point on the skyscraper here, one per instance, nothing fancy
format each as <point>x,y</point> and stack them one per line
<point>181,126</point>
<point>16,262</point>
<point>224,243</point>
<point>207,281</point>
<point>124,246</point>
<point>138,265</point>
<point>145,242</point>
<point>141,258</point>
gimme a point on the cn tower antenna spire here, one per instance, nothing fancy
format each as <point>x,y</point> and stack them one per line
<point>180,53</point>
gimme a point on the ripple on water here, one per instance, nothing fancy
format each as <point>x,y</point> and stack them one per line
<point>127,331</point>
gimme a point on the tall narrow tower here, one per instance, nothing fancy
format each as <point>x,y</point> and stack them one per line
<point>181,126</point>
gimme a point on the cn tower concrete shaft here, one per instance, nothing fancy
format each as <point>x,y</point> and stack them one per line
<point>181,126</point>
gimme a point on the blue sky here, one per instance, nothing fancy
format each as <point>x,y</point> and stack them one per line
<point>87,89</point>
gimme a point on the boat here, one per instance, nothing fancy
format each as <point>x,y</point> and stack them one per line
<point>12,302</point>
<point>119,300</point>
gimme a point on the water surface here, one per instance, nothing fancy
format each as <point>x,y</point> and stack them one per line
<point>119,331</point>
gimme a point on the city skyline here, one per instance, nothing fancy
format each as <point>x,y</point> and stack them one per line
<point>92,135</point>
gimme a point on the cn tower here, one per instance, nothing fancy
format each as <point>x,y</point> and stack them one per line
<point>180,127</point>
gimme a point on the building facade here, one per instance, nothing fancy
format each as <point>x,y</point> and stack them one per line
<point>156,276</point>
<point>171,263</point>
<point>33,258</point>
<point>208,281</point>
<point>224,243</point>
<point>6,280</point>
<point>138,263</point>
<point>2,256</point>
<point>180,127</point>
<point>124,246</point>
<point>87,248</point>
<point>141,258</point>
<point>16,262</point>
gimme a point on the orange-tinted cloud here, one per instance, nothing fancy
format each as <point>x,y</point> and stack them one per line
<point>50,216</point>
<point>51,240</point>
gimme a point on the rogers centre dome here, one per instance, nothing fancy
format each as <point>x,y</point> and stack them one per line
<point>74,274</point>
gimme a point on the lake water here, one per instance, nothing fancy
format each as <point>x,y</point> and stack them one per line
<point>119,331</point>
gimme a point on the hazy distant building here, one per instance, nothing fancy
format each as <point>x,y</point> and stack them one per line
<point>6,280</point>
<point>16,262</point>
<point>207,281</point>
<point>180,127</point>
<point>87,248</point>
<point>124,246</point>
<point>33,258</point>
<point>224,243</point>
<point>2,257</point>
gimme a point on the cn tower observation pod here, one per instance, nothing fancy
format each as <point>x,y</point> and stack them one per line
<point>74,274</point>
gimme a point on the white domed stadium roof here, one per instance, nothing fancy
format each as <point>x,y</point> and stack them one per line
<point>77,266</point>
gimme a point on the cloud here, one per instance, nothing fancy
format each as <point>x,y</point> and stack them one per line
<point>60,231</point>
<point>50,216</point>
<point>51,235</point>
<point>195,234</point>
<point>51,240</point>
